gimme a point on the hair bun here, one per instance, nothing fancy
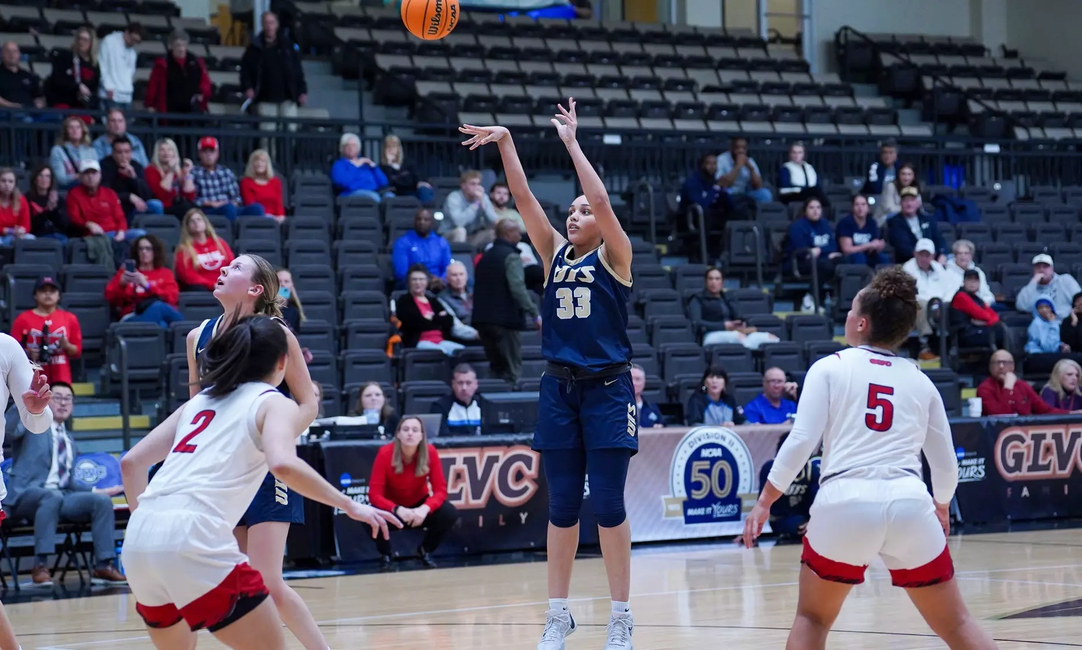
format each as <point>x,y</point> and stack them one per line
<point>894,282</point>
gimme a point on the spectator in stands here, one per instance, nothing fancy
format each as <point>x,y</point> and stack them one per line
<point>179,83</point>
<point>407,479</point>
<point>1043,345</point>
<point>354,174</point>
<point>1070,330</point>
<point>50,335</point>
<point>95,210</point>
<point>647,414</point>
<point>261,187</point>
<point>739,175</point>
<point>402,177</point>
<point>201,253</point>
<point>116,58</point>
<point>456,295</point>
<point>911,225</point>
<point>858,236</point>
<point>1060,288</point>
<point>881,171</point>
<point>975,322</point>
<point>271,74</point>
<point>170,178</point>
<point>500,196</point>
<point>71,148</point>
<point>890,201</point>
<point>464,409</point>
<point>961,261</point>
<point>771,405</point>
<point>41,489</point>
<point>372,405</point>
<point>44,203</point>
<point>468,213</point>
<point>811,241</point>
<point>75,76</point>
<point>789,516</point>
<point>500,285</point>
<point>14,209</point>
<point>122,174</point>
<point>216,187</point>
<point>421,246</point>
<point>711,405</point>
<point>18,87</point>
<point>718,318</point>
<point>797,180</point>
<point>292,310</point>
<point>1062,390</point>
<point>426,325</point>
<point>702,187</point>
<point>1004,393</point>
<point>935,287</point>
<point>116,125</point>
<point>144,289</point>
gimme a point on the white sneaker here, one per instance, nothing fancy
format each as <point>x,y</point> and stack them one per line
<point>558,625</point>
<point>807,306</point>
<point>620,628</point>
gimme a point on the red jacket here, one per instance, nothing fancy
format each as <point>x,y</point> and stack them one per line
<point>8,218</point>
<point>964,303</point>
<point>206,268</point>
<point>1021,400</point>
<point>160,282</point>
<point>387,488</point>
<point>154,180</point>
<point>29,327</point>
<point>102,208</point>
<point>269,196</point>
<point>159,74</point>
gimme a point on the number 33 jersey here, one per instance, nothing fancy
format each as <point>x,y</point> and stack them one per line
<point>216,463</point>
<point>584,313</point>
<point>875,413</point>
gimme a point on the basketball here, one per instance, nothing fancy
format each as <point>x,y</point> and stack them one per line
<point>430,20</point>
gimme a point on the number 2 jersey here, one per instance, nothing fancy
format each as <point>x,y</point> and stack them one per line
<point>584,313</point>
<point>874,413</point>
<point>216,464</point>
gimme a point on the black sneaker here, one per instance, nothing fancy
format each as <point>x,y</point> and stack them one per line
<point>426,559</point>
<point>386,563</point>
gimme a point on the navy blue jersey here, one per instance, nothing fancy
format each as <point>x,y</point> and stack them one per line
<point>584,313</point>
<point>206,333</point>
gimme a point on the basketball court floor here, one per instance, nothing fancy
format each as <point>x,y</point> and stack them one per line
<point>1025,587</point>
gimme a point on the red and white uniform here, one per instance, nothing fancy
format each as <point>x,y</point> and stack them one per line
<point>874,413</point>
<point>180,556</point>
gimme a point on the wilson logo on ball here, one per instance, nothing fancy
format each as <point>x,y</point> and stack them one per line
<point>430,19</point>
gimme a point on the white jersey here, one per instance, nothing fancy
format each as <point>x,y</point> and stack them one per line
<point>874,413</point>
<point>17,373</point>
<point>216,464</point>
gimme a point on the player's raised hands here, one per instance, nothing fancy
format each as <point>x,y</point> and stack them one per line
<point>374,517</point>
<point>566,121</point>
<point>482,135</point>
<point>37,398</point>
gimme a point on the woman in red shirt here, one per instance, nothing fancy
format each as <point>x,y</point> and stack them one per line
<point>407,479</point>
<point>201,254</point>
<point>14,210</point>
<point>170,178</point>
<point>144,288</point>
<point>261,186</point>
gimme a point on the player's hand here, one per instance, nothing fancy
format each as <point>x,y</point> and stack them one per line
<point>753,525</point>
<point>566,122</point>
<point>943,514</point>
<point>374,517</point>
<point>37,398</point>
<point>482,135</point>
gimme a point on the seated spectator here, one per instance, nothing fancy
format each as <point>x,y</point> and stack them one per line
<point>261,187</point>
<point>117,59</point>
<point>1062,390</point>
<point>1043,345</point>
<point>468,213</point>
<point>354,174</point>
<point>122,174</point>
<point>858,236</point>
<point>719,318</point>
<point>40,489</point>
<point>811,241</point>
<point>464,409</point>
<point>797,180</point>
<point>216,187</point>
<point>50,335</point>
<point>738,174</point>
<point>1004,393</point>
<point>647,414</point>
<point>1060,288</point>
<point>407,480</point>
<point>19,88</point>
<point>456,295</point>
<point>701,187</point>
<point>1070,331</point>
<point>910,225</point>
<point>75,76</point>
<point>201,254</point>
<point>935,287</point>
<point>372,405</point>
<point>881,171</point>
<point>116,125</point>
<point>711,405</point>
<point>402,177</point>
<point>44,202</point>
<point>789,515</point>
<point>974,320</point>
<point>890,202</point>
<point>961,261</point>
<point>14,209</point>
<point>170,178</point>
<point>95,210</point>
<point>425,323</point>
<point>500,196</point>
<point>770,406</point>
<point>420,246</point>
<point>71,148</point>
<point>178,83</point>
<point>144,289</point>
<point>292,310</point>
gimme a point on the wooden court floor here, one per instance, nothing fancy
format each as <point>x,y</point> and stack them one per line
<point>715,596</point>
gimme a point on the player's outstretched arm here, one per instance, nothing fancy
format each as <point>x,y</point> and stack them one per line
<point>153,448</point>
<point>27,385</point>
<point>542,235</point>
<point>939,450</point>
<point>300,385</point>
<point>193,366</point>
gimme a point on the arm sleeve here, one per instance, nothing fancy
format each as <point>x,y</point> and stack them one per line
<point>963,303</point>
<point>799,235</point>
<point>693,414</point>
<point>1039,405</point>
<point>752,416</point>
<point>185,270</point>
<point>205,87</point>
<point>156,86</point>
<point>939,451</point>
<point>808,427</point>
<point>167,288</point>
<point>377,483</point>
<point>459,213</point>
<point>118,214</point>
<point>990,402</point>
<point>340,175</point>
<point>445,257</point>
<point>247,191</point>
<point>234,187</point>
<point>438,408</point>
<point>785,181</point>
<point>400,258</point>
<point>381,178</point>
<point>115,294</point>
<point>516,281</point>
<point>57,157</point>
<point>1071,285</point>
<point>75,213</point>
<point>108,67</point>
<point>436,479</point>
<point>247,80</point>
<point>1027,297</point>
<point>19,375</point>
<point>75,334</point>
<point>24,213</point>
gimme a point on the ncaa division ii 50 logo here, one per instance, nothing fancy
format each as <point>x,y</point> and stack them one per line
<point>711,472</point>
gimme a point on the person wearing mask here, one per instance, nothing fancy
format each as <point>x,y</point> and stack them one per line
<point>647,415</point>
<point>179,82</point>
<point>116,59</point>
<point>738,174</point>
<point>789,515</point>
<point>1005,393</point>
<point>975,322</point>
<point>890,202</point>
<point>122,174</point>
<point>372,405</point>
<point>356,175</point>
<point>116,125</point>
<point>95,210</point>
<point>935,286</point>
<point>271,74</point>
<point>909,226</point>
<point>811,241</point>
<point>19,88</point>
<point>401,176</point>
<point>425,324</point>
<point>51,336</point>
<point>456,295</point>
<point>771,405</point>
<point>500,285</point>
<point>149,293</point>
<point>858,236</point>
<point>170,178</point>
<point>701,187</point>
<point>500,196</point>
<point>881,171</point>
<point>961,261</point>
<point>711,405</point>
<point>1062,390</point>
<point>407,479</point>
<point>420,246</point>
<point>1043,345</point>
<point>14,209</point>
<point>201,253</point>
<point>797,180</point>
<point>1070,330</point>
<point>292,309</point>
<point>468,213</point>
<point>44,202</point>
<point>71,149</point>
<point>216,187</point>
<point>75,76</point>
<point>1060,288</point>
<point>464,409</point>
<point>261,187</point>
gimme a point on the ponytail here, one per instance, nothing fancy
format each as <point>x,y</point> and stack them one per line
<point>247,351</point>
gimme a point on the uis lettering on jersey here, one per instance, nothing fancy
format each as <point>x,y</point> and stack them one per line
<point>573,274</point>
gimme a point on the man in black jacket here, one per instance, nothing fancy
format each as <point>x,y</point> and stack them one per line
<point>464,409</point>
<point>125,177</point>
<point>271,75</point>
<point>500,285</point>
<point>911,225</point>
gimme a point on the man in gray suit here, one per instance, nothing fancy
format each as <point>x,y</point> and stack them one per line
<point>40,489</point>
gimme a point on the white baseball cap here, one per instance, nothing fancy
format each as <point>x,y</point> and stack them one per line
<point>1043,258</point>
<point>88,165</point>
<point>924,245</point>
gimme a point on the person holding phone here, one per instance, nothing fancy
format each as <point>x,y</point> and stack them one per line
<point>170,178</point>
<point>145,289</point>
<point>718,318</point>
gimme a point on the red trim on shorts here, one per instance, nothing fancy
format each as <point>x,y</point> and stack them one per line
<point>3,515</point>
<point>159,616</point>
<point>215,606</point>
<point>831,570</point>
<point>935,572</point>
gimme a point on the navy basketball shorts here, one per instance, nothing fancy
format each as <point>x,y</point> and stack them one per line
<point>587,414</point>
<point>274,502</point>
